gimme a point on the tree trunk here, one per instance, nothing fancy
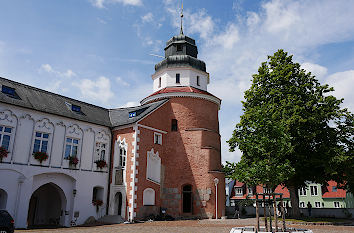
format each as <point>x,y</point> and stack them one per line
<point>294,197</point>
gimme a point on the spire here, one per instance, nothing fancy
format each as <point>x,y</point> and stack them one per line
<point>181,32</point>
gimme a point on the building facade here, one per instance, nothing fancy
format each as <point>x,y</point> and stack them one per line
<point>64,161</point>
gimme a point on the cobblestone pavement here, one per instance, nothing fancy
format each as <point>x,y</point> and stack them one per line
<point>188,226</point>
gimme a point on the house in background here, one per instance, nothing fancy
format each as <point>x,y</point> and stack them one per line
<point>319,196</point>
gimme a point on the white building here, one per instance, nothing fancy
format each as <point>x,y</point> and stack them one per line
<point>52,192</point>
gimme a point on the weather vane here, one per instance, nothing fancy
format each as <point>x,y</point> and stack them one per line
<point>181,32</point>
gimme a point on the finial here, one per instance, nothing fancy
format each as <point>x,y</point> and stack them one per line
<point>181,32</point>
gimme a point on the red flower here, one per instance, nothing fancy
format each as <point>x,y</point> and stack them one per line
<point>97,202</point>
<point>101,163</point>
<point>3,152</point>
<point>40,156</point>
<point>73,160</point>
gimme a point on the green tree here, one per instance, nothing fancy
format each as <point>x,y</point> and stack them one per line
<point>292,130</point>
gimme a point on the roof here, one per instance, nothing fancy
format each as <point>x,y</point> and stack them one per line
<point>340,193</point>
<point>121,117</point>
<point>48,102</point>
<point>187,89</point>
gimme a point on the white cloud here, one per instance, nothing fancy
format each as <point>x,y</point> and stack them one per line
<point>147,18</point>
<point>199,22</point>
<point>49,69</point>
<point>130,104</point>
<point>101,3</point>
<point>315,69</point>
<point>343,86</point>
<point>95,90</point>
<point>121,81</point>
<point>229,38</point>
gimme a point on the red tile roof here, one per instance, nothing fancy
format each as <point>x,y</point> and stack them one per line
<point>181,89</point>
<point>341,193</point>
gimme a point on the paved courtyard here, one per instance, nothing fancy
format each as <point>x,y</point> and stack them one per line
<point>190,226</point>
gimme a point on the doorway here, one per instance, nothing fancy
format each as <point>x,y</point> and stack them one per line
<point>187,199</point>
<point>47,206</point>
<point>119,203</point>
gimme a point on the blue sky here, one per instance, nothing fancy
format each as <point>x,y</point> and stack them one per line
<point>98,50</point>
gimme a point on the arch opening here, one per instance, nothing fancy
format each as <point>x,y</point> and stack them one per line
<point>3,199</point>
<point>118,203</point>
<point>47,206</point>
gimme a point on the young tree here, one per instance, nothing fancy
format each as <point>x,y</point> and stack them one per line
<point>292,130</point>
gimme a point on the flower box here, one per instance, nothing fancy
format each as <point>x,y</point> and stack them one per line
<point>3,153</point>
<point>101,163</point>
<point>40,156</point>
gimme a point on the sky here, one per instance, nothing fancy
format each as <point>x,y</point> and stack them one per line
<point>99,51</point>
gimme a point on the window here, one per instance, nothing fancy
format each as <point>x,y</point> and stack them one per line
<point>9,91</point>
<point>132,114</point>
<point>178,78</point>
<point>198,81</point>
<point>267,190</point>
<point>250,191</point>
<point>179,48</point>
<point>122,156</point>
<point>174,125</point>
<point>149,196</point>
<point>160,82</point>
<point>71,147</point>
<point>313,190</point>
<point>302,192</point>
<point>158,138</point>
<point>40,142</point>
<point>101,150</point>
<point>97,193</point>
<point>302,204</point>
<point>317,204</point>
<point>75,108</point>
<point>5,135</point>
<point>238,192</point>
<point>334,189</point>
<point>336,204</point>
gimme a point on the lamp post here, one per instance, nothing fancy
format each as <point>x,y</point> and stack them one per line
<point>216,181</point>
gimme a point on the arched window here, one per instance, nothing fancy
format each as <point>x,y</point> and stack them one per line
<point>122,153</point>
<point>149,196</point>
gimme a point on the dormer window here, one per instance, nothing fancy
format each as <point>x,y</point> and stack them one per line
<point>178,80</point>
<point>159,82</point>
<point>198,84</point>
<point>76,108</point>
<point>132,114</point>
<point>179,48</point>
<point>9,91</point>
<point>238,192</point>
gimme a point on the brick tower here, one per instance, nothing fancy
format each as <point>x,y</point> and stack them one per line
<point>166,152</point>
<point>191,149</point>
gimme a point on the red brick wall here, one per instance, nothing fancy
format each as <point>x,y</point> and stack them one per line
<point>187,157</point>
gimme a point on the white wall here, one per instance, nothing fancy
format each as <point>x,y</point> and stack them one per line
<point>21,175</point>
<point>188,77</point>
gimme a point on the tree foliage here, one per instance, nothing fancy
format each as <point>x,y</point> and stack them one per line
<point>292,130</point>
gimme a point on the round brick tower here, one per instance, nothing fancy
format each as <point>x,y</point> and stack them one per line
<point>191,157</point>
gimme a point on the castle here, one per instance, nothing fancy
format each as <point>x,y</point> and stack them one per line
<point>64,160</point>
